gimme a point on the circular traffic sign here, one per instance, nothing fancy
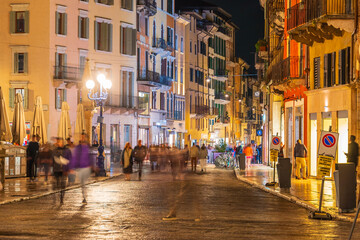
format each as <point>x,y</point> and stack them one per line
<point>276,141</point>
<point>329,140</point>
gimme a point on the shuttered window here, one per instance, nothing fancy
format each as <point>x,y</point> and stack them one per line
<point>103,36</point>
<point>83,23</point>
<point>329,69</point>
<point>25,94</point>
<point>128,41</point>
<point>333,68</point>
<point>61,23</point>
<point>344,66</point>
<point>106,2</point>
<point>191,74</point>
<point>60,97</point>
<point>316,73</point>
<point>19,22</point>
<point>20,63</point>
<point>127,4</point>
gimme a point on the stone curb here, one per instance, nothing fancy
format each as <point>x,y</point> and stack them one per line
<point>36,196</point>
<point>292,198</point>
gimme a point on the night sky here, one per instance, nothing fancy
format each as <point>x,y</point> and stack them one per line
<point>248,15</point>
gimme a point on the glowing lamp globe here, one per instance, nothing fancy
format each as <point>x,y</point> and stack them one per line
<point>90,84</point>
<point>101,78</point>
<point>107,84</point>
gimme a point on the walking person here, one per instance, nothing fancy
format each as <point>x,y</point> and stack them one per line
<point>61,159</point>
<point>32,152</point>
<point>203,155</point>
<point>353,151</point>
<point>249,155</point>
<point>255,153</point>
<point>139,154</point>
<point>127,161</point>
<point>45,159</point>
<point>81,164</point>
<point>300,153</point>
<point>194,154</point>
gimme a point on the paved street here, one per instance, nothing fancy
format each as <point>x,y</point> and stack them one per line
<point>210,206</point>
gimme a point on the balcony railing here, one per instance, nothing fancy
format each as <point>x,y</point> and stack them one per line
<point>222,120</point>
<point>309,10</point>
<point>68,73</point>
<point>165,80</point>
<point>289,68</point>
<point>177,116</point>
<point>148,6</point>
<point>163,44</point>
<point>222,96</point>
<point>200,110</point>
<point>214,111</point>
<point>225,31</point>
<point>128,102</point>
<point>153,78</point>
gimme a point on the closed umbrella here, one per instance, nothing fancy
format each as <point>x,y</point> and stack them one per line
<point>18,129</point>
<point>5,132</point>
<point>80,122</point>
<point>39,125</point>
<point>64,130</point>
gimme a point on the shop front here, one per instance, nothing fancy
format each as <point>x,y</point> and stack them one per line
<point>330,110</point>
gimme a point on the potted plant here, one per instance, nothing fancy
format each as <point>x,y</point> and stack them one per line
<point>261,45</point>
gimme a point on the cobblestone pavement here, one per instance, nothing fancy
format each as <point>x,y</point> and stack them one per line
<point>213,205</point>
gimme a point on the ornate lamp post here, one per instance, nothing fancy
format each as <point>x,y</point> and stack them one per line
<point>99,97</point>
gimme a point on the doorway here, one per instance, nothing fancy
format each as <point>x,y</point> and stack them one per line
<point>313,144</point>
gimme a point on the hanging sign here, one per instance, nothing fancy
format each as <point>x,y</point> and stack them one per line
<point>328,144</point>
<point>275,143</point>
<point>274,155</point>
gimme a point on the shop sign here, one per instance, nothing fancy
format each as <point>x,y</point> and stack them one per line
<point>274,155</point>
<point>328,144</point>
<point>275,143</point>
<point>324,165</point>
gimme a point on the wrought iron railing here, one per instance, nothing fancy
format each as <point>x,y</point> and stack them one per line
<point>123,101</point>
<point>149,5</point>
<point>68,73</point>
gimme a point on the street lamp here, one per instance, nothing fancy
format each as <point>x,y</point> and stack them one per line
<point>99,97</point>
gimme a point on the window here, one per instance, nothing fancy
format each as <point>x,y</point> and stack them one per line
<point>83,27</point>
<point>60,65</point>
<point>344,66</point>
<point>15,89</point>
<point>146,26</point>
<point>181,75</point>
<point>84,1</point>
<point>316,73</point>
<point>176,42</point>
<point>127,41</point>
<point>162,4</point>
<point>195,49</point>
<point>103,35</point>
<point>144,102</point>
<point>20,62</point>
<point>127,88</point>
<point>170,34</point>
<point>127,4</point>
<point>19,22</point>
<point>60,97</point>
<point>190,46</point>
<point>170,6</point>
<point>138,22</point>
<point>182,45</point>
<point>127,133</point>
<point>153,103</point>
<point>176,74</point>
<point>203,48</point>
<point>329,69</point>
<point>191,74</point>
<point>61,23</point>
<point>106,2</point>
<point>162,101</point>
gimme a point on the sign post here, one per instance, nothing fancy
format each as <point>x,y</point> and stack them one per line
<point>274,154</point>
<point>326,155</point>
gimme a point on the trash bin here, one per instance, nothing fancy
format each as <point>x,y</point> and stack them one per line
<point>241,161</point>
<point>345,184</point>
<point>284,168</point>
<point>2,170</point>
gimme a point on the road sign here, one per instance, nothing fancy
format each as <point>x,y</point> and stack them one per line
<point>275,143</point>
<point>274,155</point>
<point>324,165</point>
<point>328,144</point>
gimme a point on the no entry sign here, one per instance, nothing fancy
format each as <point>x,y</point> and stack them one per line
<point>328,144</point>
<point>275,143</point>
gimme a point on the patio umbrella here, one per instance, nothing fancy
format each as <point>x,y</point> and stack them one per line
<point>5,132</point>
<point>39,126</point>
<point>80,122</point>
<point>87,75</point>
<point>64,130</point>
<point>18,129</point>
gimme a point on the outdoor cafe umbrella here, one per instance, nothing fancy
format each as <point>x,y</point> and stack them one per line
<point>64,130</point>
<point>80,122</point>
<point>5,132</point>
<point>39,126</point>
<point>18,129</point>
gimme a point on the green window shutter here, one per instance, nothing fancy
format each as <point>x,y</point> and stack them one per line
<point>27,21</point>
<point>57,99</point>
<point>110,26</point>
<point>26,98</point>
<point>96,35</point>
<point>57,23</point>
<point>65,95</point>
<point>133,42</point>
<point>79,26</point>
<point>128,40</point>
<point>340,67</point>
<point>11,97</point>
<point>26,62</point>
<point>16,57</point>
<point>87,28</point>
<point>65,23</point>
<point>121,39</point>
<point>103,36</point>
<point>12,22</point>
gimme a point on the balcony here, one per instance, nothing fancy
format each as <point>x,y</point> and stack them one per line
<point>220,75</point>
<point>121,104</point>
<point>162,47</point>
<point>224,33</point>
<point>153,79</point>
<point>176,116</point>
<point>207,26</point>
<point>319,20</point>
<point>148,7</point>
<point>199,111</point>
<point>221,121</point>
<point>214,112</point>
<point>68,74</point>
<point>221,98</point>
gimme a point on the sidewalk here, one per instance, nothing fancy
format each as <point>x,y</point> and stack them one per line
<point>19,189</point>
<point>302,192</point>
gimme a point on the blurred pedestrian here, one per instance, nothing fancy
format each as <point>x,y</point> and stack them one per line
<point>203,155</point>
<point>300,152</point>
<point>61,159</point>
<point>81,164</point>
<point>186,155</point>
<point>127,161</point>
<point>32,152</point>
<point>153,157</point>
<point>353,154</point>
<point>139,154</point>
<point>194,154</point>
<point>248,154</point>
<point>238,149</point>
<point>45,159</point>
<point>260,153</point>
<point>255,153</point>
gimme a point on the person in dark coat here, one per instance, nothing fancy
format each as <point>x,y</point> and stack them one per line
<point>32,152</point>
<point>353,154</point>
<point>139,154</point>
<point>127,161</point>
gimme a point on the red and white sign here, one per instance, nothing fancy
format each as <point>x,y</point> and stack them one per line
<point>275,143</point>
<point>328,144</point>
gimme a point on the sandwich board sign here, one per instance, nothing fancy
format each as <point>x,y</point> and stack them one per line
<point>327,152</point>
<point>275,143</point>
